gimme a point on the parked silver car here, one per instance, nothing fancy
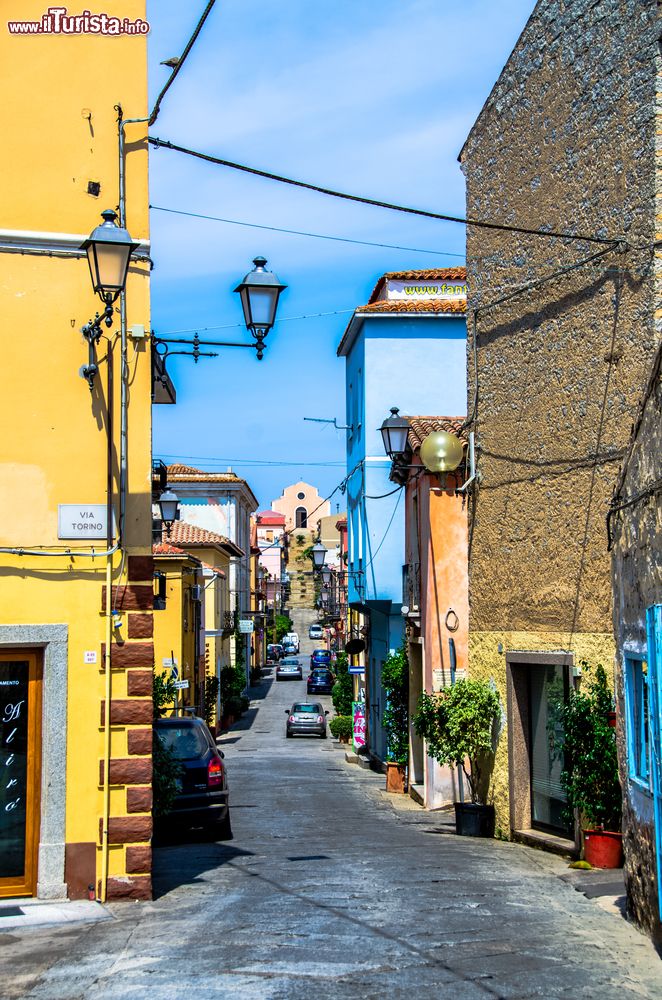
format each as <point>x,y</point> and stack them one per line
<point>289,669</point>
<point>306,719</point>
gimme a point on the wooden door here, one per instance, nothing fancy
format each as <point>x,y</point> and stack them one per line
<point>20,770</point>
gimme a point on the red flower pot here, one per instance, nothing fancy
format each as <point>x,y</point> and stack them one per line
<point>603,849</point>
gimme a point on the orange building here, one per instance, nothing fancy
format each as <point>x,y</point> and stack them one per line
<point>436,601</point>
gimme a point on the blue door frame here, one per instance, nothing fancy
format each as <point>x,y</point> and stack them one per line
<point>654,630</point>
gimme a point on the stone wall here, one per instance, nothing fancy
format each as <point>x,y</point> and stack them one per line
<point>564,144</point>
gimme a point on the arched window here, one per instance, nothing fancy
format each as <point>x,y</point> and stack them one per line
<point>301,515</point>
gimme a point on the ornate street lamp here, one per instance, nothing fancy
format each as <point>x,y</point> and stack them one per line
<point>318,552</point>
<point>109,249</point>
<point>326,575</point>
<point>260,291</point>
<point>169,508</point>
<point>394,434</point>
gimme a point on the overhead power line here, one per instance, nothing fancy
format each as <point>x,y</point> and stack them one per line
<point>298,232</point>
<point>178,63</point>
<point>478,223</point>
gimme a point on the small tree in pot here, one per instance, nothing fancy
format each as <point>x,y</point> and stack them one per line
<point>458,726</point>
<point>395,680</point>
<point>590,775</point>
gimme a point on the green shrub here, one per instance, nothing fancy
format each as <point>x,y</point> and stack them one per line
<point>458,725</point>
<point>163,694</point>
<point>212,685</point>
<point>590,775</point>
<point>165,773</point>
<point>342,692</point>
<point>395,681</point>
<point>341,727</point>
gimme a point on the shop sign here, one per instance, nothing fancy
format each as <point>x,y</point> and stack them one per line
<point>402,290</point>
<point>359,725</point>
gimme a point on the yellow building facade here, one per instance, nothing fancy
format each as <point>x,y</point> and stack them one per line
<point>76,587</point>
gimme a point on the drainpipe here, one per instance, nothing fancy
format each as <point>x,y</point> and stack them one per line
<point>109,628</point>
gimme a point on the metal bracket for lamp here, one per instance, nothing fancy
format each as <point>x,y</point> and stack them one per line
<point>196,343</point>
<point>92,332</point>
<point>473,474</point>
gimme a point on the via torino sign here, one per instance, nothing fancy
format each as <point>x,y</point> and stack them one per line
<point>82,520</point>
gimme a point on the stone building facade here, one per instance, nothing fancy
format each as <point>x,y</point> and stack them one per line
<point>561,339</point>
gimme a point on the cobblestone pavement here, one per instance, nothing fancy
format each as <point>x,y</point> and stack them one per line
<point>332,889</point>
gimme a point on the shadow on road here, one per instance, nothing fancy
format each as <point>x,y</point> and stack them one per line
<point>178,861</point>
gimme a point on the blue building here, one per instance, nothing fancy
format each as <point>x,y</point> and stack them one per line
<point>405,348</point>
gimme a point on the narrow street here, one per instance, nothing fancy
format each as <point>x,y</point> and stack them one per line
<point>331,888</point>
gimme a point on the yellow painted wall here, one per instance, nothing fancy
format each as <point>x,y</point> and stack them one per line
<point>487,663</point>
<point>173,626</point>
<point>59,132</point>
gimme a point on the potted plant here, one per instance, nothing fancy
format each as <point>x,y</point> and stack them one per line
<point>590,774</point>
<point>458,725</point>
<point>395,681</point>
<point>341,727</point>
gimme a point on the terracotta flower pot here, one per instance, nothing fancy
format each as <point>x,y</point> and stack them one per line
<point>603,848</point>
<point>395,777</point>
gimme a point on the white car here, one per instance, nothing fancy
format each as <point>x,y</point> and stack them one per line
<point>291,639</point>
<point>315,632</point>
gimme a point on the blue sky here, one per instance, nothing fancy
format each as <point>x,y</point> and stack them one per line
<point>374,98</point>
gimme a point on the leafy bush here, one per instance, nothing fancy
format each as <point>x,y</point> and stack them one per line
<point>590,776</point>
<point>341,727</point>
<point>282,625</point>
<point>395,680</point>
<point>342,692</point>
<point>458,725</point>
<point>212,685</point>
<point>163,694</point>
<point>165,773</point>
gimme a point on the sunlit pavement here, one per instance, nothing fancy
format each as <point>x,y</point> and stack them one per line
<point>331,888</point>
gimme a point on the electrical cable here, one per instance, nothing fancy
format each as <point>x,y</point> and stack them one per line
<point>527,287</point>
<point>380,496</point>
<point>478,223</point>
<point>388,528</point>
<point>299,232</point>
<point>180,62</point>
<point>234,326</point>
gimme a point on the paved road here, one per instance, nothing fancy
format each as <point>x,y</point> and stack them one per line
<point>332,889</point>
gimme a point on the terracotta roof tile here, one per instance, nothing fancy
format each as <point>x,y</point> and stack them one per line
<point>166,549</point>
<point>456,306</point>
<point>188,474</point>
<point>190,534</point>
<point>431,274</point>
<point>420,427</point>
<point>269,517</point>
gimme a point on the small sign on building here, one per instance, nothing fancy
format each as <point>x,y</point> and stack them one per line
<point>82,520</point>
<point>246,625</point>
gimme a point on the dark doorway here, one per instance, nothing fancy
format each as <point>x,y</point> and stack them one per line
<point>548,692</point>
<point>301,515</point>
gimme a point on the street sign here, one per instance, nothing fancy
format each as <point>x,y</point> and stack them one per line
<point>181,685</point>
<point>246,625</point>
<point>355,670</point>
<point>174,673</point>
<point>82,520</point>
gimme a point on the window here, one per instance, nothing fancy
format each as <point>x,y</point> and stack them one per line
<point>301,496</point>
<point>638,720</point>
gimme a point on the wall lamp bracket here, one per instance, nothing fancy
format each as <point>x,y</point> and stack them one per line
<point>92,332</point>
<point>473,473</point>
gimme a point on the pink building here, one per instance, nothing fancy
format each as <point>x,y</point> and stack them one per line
<point>436,597</point>
<point>271,541</point>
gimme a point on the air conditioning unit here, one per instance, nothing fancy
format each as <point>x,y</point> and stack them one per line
<point>196,592</point>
